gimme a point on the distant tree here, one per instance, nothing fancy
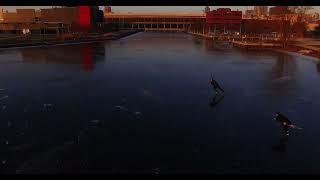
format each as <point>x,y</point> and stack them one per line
<point>286,30</point>
<point>100,16</point>
<point>206,9</point>
<point>300,26</point>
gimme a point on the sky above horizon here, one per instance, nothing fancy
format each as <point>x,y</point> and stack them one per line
<point>133,9</point>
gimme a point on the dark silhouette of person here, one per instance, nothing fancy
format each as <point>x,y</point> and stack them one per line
<point>285,122</point>
<point>216,86</point>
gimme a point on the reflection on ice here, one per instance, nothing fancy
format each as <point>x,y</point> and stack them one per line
<point>147,93</point>
<point>95,121</point>
<point>156,171</point>
<point>282,145</point>
<point>9,124</point>
<point>282,79</point>
<point>47,106</point>
<point>137,113</point>
<point>121,108</point>
<point>216,100</point>
<point>4,97</point>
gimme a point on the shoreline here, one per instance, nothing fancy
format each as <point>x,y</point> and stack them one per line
<point>291,48</point>
<point>298,54</point>
<point>297,50</point>
<point>100,38</point>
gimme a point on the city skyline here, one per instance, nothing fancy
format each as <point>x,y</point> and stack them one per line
<point>143,9</point>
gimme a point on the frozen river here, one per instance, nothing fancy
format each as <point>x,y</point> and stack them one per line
<point>142,104</point>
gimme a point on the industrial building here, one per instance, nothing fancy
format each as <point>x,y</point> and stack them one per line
<point>154,21</point>
<point>53,20</point>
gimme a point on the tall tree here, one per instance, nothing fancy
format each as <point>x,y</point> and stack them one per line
<point>206,9</point>
<point>300,25</point>
<point>285,31</point>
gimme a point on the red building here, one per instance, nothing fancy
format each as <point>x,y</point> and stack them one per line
<point>224,16</point>
<point>84,14</point>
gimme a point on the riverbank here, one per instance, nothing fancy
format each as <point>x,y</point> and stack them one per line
<point>303,51</point>
<point>301,47</point>
<point>48,41</point>
<point>305,46</point>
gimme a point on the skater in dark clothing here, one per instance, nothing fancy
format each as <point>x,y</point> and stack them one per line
<point>215,85</point>
<point>285,122</point>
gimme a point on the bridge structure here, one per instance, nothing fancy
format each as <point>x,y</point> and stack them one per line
<point>194,24</point>
<point>155,22</point>
<point>188,22</point>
